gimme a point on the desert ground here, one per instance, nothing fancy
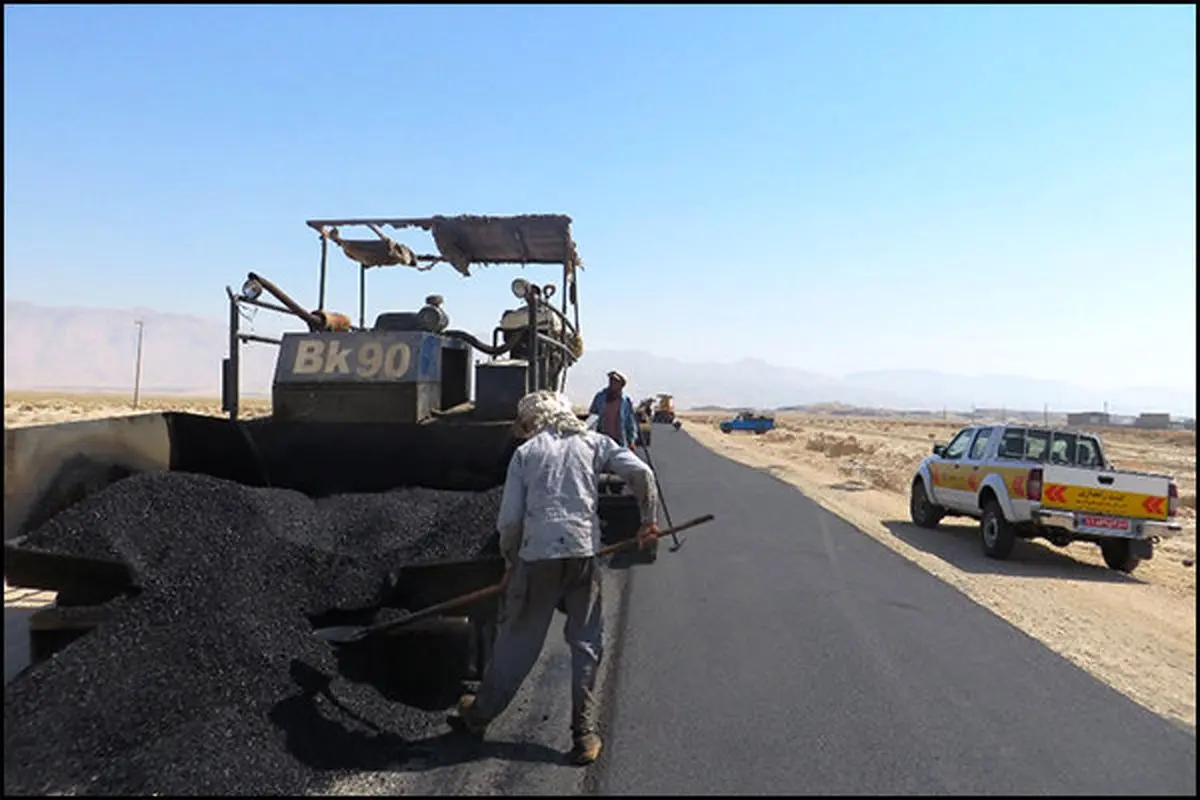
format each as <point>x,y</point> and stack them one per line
<point>1137,633</point>
<point>43,408</point>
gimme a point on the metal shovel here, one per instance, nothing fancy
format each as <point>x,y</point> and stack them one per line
<point>348,634</point>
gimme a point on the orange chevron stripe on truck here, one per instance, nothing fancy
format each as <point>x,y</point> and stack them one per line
<point>1061,497</point>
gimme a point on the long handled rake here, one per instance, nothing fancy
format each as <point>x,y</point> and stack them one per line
<point>661,498</point>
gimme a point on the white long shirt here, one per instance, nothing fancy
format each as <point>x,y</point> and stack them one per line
<point>551,494</point>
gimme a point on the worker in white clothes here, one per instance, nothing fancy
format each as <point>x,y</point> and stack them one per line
<point>549,535</point>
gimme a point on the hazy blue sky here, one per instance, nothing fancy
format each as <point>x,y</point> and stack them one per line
<point>974,189</point>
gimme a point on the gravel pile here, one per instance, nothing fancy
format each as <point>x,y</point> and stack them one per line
<point>210,680</point>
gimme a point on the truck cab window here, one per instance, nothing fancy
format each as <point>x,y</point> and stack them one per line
<point>1013,444</point>
<point>1062,449</point>
<point>1088,452</point>
<point>1037,445</point>
<point>980,445</point>
<point>958,447</point>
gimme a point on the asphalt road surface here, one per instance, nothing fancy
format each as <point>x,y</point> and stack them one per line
<point>782,651</point>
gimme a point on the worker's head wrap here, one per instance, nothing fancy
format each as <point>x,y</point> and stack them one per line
<point>541,410</point>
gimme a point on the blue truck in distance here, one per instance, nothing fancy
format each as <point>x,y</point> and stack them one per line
<point>748,421</point>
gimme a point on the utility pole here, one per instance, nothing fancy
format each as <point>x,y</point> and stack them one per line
<point>1046,414</point>
<point>137,374</point>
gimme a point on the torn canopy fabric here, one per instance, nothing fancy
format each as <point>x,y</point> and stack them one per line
<point>465,240</point>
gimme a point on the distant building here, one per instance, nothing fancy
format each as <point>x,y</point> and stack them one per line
<point>1158,422</point>
<point>1092,418</point>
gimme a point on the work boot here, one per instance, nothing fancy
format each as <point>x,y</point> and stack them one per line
<point>586,750</point>
<point>465,720</point>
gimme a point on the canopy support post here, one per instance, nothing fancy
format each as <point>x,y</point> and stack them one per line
<point>362,296</point>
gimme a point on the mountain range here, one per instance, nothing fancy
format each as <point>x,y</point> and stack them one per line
<point>92,349</point>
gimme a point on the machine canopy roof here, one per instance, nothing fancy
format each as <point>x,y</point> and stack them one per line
<point>462,241</point>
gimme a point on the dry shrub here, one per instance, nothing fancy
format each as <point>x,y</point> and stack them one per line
<point>875,476</point>
<point>884,480</point>
<point>837,446</point>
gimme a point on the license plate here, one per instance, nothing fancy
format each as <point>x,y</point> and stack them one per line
<point>1094,524</point>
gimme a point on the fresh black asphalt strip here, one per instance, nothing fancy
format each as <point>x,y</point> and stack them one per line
<point>783,651</point>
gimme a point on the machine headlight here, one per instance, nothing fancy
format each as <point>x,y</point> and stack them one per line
<point>520,288</point>
<point>251,289</point>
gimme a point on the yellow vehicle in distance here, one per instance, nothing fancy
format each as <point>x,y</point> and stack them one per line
<point>665,410</point>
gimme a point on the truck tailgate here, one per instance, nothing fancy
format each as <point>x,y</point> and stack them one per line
<point>1105,492</point>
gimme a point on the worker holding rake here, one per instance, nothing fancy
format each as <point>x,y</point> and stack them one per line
<point>549,535</point>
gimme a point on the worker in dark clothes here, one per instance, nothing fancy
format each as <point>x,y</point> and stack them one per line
<point>549,534</point>
<point>615,411</point>
<point>644,414</point>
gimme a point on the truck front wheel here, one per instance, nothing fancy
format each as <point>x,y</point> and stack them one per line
<point>996,532</point>
<point>1118,555</point>
<point>923,512</point>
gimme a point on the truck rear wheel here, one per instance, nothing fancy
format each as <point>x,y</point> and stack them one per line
<point>921,509</point>
<point>996,532</point>
<point>1118,555</point>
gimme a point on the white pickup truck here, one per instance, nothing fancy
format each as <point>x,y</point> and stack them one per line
<point>1028,482</point>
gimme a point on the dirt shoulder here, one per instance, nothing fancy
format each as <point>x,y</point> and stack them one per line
<point>23,408</point>
<point>1136,633</point>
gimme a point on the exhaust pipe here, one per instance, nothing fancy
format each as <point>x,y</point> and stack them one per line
<point>314,322</point>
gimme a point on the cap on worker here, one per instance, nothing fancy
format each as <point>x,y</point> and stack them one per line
<point>612,373</point>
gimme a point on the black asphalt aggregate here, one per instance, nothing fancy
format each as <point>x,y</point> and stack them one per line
<point>783,651</point>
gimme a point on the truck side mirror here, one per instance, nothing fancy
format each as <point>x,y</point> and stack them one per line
<point>939,449</point>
